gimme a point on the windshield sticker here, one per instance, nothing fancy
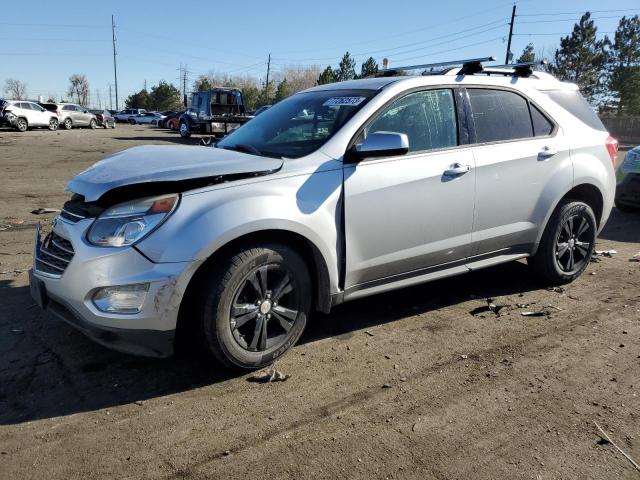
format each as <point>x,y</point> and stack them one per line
<point>346,101</point>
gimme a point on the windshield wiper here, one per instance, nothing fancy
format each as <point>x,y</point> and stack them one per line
<point>241,147</point>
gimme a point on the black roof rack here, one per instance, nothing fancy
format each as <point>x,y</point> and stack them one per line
<point>471,65</point>
<point>523,69</point>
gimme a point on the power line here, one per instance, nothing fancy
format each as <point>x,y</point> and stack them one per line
<point>566,19</point>
<point>577,13</point>
<point>408,32</point>
<point>451,49</point>
<point>460,35</point>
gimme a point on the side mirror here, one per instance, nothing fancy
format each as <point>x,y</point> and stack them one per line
<point>381,144</point>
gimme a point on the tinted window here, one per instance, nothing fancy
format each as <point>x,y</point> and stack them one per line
<point>576,105</point>
<point>542,126</point>
<point>67,107</point>
<point>499,115</point>
<point>428,118</point>
<point>24,105</point>
<point>37,108</point>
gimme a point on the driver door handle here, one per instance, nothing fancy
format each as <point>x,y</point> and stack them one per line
<point>456,170</point>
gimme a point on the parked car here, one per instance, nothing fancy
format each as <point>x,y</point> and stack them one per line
<point>23,114</point>
<point>628,188</point>
<point>104,118</point>
<point>162,123</point>
<point>382,183</point>
<point>71,115</point>
<point>173,123</point>
<point>124,115</point>
<point>261,109</point>
<point>151,118</point>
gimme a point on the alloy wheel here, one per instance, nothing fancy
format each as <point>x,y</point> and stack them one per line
<point>265,308</point>
<point>574,244</point>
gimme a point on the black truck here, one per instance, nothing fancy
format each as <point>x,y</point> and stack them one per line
<point>214,112</point>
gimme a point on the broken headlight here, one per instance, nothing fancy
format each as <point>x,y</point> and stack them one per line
<point>126,223</point>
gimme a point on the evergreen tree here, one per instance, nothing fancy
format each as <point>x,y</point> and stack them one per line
<point>582,58</point>
<point>528,55</point>
<point>327,76</point>
<point>165,96</point>
<point>346,69</point>
<point>624,80</point>
<point>369,68</point>
<point>282,90</point>
<point>138,100</point>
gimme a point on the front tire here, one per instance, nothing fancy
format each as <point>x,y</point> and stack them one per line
<point>68,124</point>
<point>53,124</point>
<point>92,124</point>
<point>185,131</point>
<point>254,306</point>
<point>22,125</point>
<point>567,243</point>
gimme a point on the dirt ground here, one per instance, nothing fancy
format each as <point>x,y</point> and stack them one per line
<point>408,384</point>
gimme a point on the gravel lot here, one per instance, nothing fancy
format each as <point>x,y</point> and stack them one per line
<point>403,385</point>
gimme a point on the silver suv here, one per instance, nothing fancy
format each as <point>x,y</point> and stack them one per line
<point>71,115</point>
<point>338,192</point>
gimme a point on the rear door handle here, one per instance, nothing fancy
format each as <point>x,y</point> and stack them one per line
<point>547,152</point>
<point>456,170</point>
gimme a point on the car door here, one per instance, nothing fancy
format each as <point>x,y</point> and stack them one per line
<point>40,114</point>
<point>410,213</point>
<point>84,115</point>
<point>29,113</point>
<point>520,159</point>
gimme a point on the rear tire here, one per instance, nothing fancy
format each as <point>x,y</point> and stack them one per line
<point>132,121</point>
<point>254,306</point>
<point>567,243</point>
<point>92,124</point>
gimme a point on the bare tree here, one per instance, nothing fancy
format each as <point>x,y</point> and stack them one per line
<point>79,88</point>
<point>15,89</point>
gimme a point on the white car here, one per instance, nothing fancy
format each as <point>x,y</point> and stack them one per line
<point>149,117</point>
<point>22,115</point>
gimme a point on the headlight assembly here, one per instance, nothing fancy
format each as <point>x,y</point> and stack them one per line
<point>126,223</point>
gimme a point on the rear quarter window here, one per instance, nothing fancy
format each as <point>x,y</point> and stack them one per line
<point>574,103</point>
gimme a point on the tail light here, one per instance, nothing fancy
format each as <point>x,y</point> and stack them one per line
<point>612,148</point>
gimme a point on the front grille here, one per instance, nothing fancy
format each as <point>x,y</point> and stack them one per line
<point>77,209</point>
<point>54,254</point>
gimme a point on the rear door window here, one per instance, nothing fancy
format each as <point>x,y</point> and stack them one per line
<point>499,115</point>
<point>428,118</point>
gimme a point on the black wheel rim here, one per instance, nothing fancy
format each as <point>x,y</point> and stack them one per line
<point>574,244</point>
<point>265,308</point>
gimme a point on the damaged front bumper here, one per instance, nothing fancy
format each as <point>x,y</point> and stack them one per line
<point>68,271</point>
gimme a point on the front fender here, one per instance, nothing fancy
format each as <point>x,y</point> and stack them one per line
<point>207,220</point>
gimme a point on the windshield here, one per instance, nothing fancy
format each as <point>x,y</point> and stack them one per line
<point>298,125</point>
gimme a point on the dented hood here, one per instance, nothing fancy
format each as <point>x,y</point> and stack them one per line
<point>173,166</point>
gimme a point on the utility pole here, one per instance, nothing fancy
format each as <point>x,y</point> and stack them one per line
<point>115,69</point>
<point>266,85</point>
<point>513,16</point>
<point>110,99</point>
<point>145,83</point>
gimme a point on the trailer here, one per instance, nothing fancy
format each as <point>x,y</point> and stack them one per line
<point>214,112</point>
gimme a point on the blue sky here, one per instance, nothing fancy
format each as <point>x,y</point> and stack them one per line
<point>45,41</point>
